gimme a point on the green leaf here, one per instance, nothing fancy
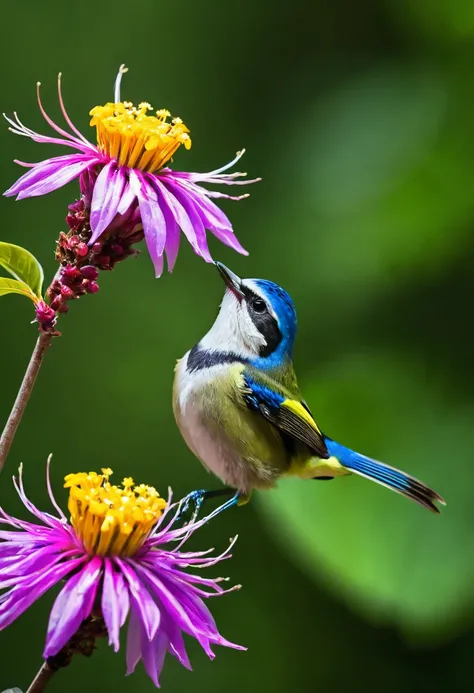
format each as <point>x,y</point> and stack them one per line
<point>13,286</point>
<point>22,265</point>
<point>387,557</point>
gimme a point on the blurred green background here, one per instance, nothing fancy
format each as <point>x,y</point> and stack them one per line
<point>359,117</point>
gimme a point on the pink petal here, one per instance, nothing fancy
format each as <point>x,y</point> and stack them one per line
<point>217,173</point>
<point>128,198</point>
<point>66,115</point>
<point>19,565</point>
<point>176,642</point>
<point>173,606</point>
<point>18,128</point>
<point>173,235</point>
<point>106,198</point>
<point>187,218</point>
<point>45,517</point>
<point>141,600</point>
<point>115,602</point>
<point>18,600</point>
<point>134,652</point>
<point>72,606</point>
<point>153,654</point>
<point>50,175</point>
<point>153,220</point>
<point>213,218</point>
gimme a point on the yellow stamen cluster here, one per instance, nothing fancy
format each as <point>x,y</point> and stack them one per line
<point>134,138</point>
<point>111,520</point>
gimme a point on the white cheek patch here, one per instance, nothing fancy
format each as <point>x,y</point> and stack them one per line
<point>234,330</point>
<point>251,336</point>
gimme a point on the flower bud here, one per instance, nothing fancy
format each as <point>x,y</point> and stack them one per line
<point>71,275</point>
<point>92,287</point>
<point>117,249</point>
<point>44,313</point>
<point>73,242</point>
<point>104,261</point>
<point>67,292</point>
<point>89,272</point>
<point>82,249</point>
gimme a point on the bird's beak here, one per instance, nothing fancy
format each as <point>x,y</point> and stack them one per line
<point>232,281</point>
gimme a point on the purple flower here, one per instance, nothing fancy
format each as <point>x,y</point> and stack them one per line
<point>116,561</point>
<point>124,178</point>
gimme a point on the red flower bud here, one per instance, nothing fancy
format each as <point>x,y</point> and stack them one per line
<point>117,249</point>
<point>67,292</point>
<point>71,275</point>
<point>92,287</point>
<point>44,313</point>
<point>89,272</point>
<point>82,249</point>
<point>72,242</point>
<point>103,261</point>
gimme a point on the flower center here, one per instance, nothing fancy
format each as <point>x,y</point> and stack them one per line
<point>137,140</point>
<point>111,520</point>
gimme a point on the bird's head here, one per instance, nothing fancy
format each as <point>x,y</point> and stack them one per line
<point>256,321</point>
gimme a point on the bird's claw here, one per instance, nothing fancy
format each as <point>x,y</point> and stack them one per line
<point>193,501</point>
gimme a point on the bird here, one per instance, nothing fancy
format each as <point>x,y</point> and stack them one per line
<point>237,404</point>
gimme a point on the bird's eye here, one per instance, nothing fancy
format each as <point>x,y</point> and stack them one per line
<point>258,305</point>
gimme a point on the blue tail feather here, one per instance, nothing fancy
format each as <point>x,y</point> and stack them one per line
<point>383,474</point>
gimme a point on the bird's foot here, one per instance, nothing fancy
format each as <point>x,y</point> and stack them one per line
<point>192,503</point>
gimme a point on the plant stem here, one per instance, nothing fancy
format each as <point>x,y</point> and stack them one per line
<point>41,679</point>
<point>42,344</point>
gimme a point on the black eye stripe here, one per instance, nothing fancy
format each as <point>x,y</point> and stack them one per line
<point>264,322</point>
<point>268,327</point>
<point>251,296</point>
<point>259,305</point>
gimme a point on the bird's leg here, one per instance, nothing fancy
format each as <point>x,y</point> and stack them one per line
<point>195,499</point>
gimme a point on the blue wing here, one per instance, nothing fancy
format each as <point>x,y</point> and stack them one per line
<point>294,420</point>
<point>290,416</point>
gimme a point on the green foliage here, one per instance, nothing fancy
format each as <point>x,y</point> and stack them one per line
<point>13,286</point>
<point>26,269</point>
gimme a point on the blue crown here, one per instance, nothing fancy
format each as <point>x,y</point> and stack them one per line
<point>285,312</point>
